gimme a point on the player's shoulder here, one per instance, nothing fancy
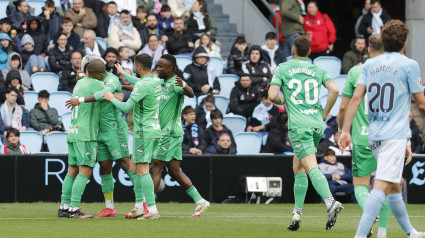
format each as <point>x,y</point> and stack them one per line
<point>355,71</point>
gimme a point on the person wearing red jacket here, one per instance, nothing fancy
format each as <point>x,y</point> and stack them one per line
<point>320,30</point>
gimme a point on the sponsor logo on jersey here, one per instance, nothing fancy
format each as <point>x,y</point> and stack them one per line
<point>165,149</point>
<point>141,151</point>
<point>156,126</point>
<point>165,97</point>
<point>297,146</point>
<point>123,145</point>
<point>308,111</point>
<point>88,153</point>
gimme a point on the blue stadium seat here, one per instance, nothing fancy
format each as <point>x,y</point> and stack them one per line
<point>130,142</point>
<point>235,123</point>
<point>46,61</point>
<point>32,140</point>
<point>217,64</point>
<point>330,63</point>
<point>102,42</point>
<point>31,98</point>
<point>335,109</point>
<point>66,120</point>
<point>189,102</point>
<point>58,99</point>
<point>200,99</point>
<point>3,5</point>
<point>45,80</point>
<point>183,61</point>
<point>221,103</point>
<point>340,82</point>
<point>265,139</point>
<point>56,141</point>
<point>37,5</point>
<point>248,143</point>
<point>227,82</point>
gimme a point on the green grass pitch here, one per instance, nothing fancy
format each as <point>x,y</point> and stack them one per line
<point>220,220</point>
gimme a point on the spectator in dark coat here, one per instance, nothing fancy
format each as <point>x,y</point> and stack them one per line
<point>14,62</point>
<point>192,133</point>
<point>278,140</point>
<point>37,34</point>
<point>213,132</point>
<point>106,19</point>
<point>12,145</point>
<point>263,113</point>
<point>73,38</point>
<point>203,111</point>
<point>270,51</point>
<point>69,76</point>
<point>60,55</point>
<point>18,119</point>
<point>374,20</point>
<point>357,55</point>
<point>258,70</point>
<point>152,28</point>
<point>416,142</point>
<point>199,76</point>
<point>20,16</point>
<point>51,19</point>
<point>332,143</point>
<point>165,20</point>
<point>6,27</point>
<point>238,55</point>
<point>222,145</point>
<point>43,117</point>
<point>244,97</point>
<point>13,80</point>
<point>200,21</point>
<point>179,41</point>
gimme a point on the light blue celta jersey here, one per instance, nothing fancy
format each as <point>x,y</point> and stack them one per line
<point>390,79</point>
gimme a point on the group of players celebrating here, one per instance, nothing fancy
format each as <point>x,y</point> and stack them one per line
<point>98,131</point>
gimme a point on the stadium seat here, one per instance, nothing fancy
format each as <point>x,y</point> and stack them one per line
<point>340,82</point>
<point>200,99</point>
<point>130,142</point>
<point>37,5</point>
<point>189,102</point>
<point>227,82</point>
<point>66,120</point>
<point>3,5</point>
<point>183,61</point>
<point>32,140</point>
<point>45,80</point>
<point>330,63</point>
<point>31,98</point>
<point>236,124</point>
<point>335,109</point>
<point>58,99</point>
<point>46,61</point>
<point>217,64</point>
<point>265,139</point>
<point>102,42</point>
<point>56,141</point>
<point>248,143</point>
<point>221,103</point>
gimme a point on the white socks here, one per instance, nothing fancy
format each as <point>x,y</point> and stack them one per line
<point>153,209</point>
<point>200,202</point>
<point>110,204</point>
<point>64,206</point>
<point>329,201</point>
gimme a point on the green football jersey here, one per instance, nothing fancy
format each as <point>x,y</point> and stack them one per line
<point>360,126</point>
<point>170,108</point>
<point>301,82</point>
<point>147,94</point>
<point>110,116</point>
<point>85,117</point>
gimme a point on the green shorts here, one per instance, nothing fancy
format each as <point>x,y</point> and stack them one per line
<point>82,153</point>
<point>364,163</point>
<point>143,149</point>
<point>169,148</point>
<point>112,145</point>
<point>305,140</point>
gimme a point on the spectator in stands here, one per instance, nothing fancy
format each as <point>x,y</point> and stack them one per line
<point>222,145</point>
<point>365,10</point>
<point>200,21</point>
<point>374,20</point>
<point>11,114</point>
<point>60,55</point>
<point>165,21</point>
<point>13,80</point>
<point>278,140</point>
<point>274,4</point>
<point>5,50</point>
<point>73,38</point>
<point>213,132</point>
<point>263,113</point>
<point>154,49</point>
<point>65,5</point>
<point>192,132</point>
<point>270,51</point>
<point>179,41</point>
<point>209,46</point>
<point>83,18</point>
<point>332,143</point>
<point>12,145</point>
<point>125,34</point>
<point>238,55</point>
<point>416,142</point>
<point>69,75</point>
<point>292,12</point>
<point>357,55</point>
<point>31,61</point>
<point>108,18</point>
<point>180,8</point>
<point>43,117</point>
<point>338,175</point>
<point>38,36</point>
<point>124,58</point>
<point>199,76</point>
<point>95,5</point>
<point>320,30</point>
<point>89,45</point>
<point>6,27</point>
<point>129,5</point>
<point>51,18</point>
<point>258,70</point>
<point>14,62</point>
<point>244,97</point>
<point>203,111</point>
<point>152,28</point>
<point>139,20</point>
<point>149,5</point>
<point>111,58</point>
<point>20,15</point>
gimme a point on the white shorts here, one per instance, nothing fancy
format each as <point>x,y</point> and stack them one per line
<point>390,155</point>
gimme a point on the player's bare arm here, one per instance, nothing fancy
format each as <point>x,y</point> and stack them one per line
<point>119,69</point>
<point>127,87</point>
<point>274,95</point>
<point>187,90</point>
<point>333,95</point>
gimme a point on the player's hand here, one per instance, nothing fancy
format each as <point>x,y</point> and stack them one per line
<point>108,96</point>
<point>73,102</point>
<point>408,155</point>
<point>344,141</point>
<point>179,81</point>
<point>119,68</point>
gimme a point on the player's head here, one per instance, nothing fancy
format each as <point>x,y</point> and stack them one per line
<point>189,115</point>
<point>142,64</point>
<point>96,69</point>
<point>329,156</point>
<point>209,102</point>
<point>12,136</point>
<point>166,66</point>
<point>216,118</point>
<point>87,59</point>
<point>301,46</point>
<point>376,47</point>
<point>394,36</point>
<point>224,141</point>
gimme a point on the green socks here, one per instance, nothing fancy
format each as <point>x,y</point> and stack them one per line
<point>300,189</point>
<point>384,214</point>
<point>138,190</point>
<point>148,188</point>
<point>320,183</point>
<point>362,193</point>
<point>67,189</point>
<point>131,176</point>
<point>78,189</point>
<point>194,194</point>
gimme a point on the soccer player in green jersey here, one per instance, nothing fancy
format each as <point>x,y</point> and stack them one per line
<point>301,81</point>
<point>144,99</point>
<point>112,140</point>
<point>81,145</point>
<point>364,163</point>
<point>169,151</point>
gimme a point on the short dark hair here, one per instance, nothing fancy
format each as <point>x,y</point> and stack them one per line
<point>151,14</point>
<point>209,98</point>
<point>216,114</point>
<point>66,20</point>
<point>16,57</point>
<point>5,21</point>
<point>264,93</point>
<point>144,60</point>
<point>375,43</point>
<point>153,35</point>
<point>329,152</point>
<point>12,89</point>
<point>313,1</point>
<point>18,3</point>
<point>111,50</point>
<point>62,34</point>
<point>12,131</point>
<point>375,1</point>
<point>224,134</point>
<point>50,3</point>
<point>44,94</point>
<point>302,45</point>
<point>187,110</point>
<point>141,8</point>
<point>165,8</point>
<point>394,35</point>
<point>112,2</point>
<point>271,35</point>
<point>172,60</point>
<point>125,11</point>
<point>277,2</point>
<point>244,75</point>
<point>240,40</point>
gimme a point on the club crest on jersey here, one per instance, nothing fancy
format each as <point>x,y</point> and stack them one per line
<point>308,111</point>
<point>167,87</point>
<point>419,81</point>
<point>103,84</point>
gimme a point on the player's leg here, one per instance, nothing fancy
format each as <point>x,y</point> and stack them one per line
<point>300,190</point>
<point>156,172</point>
<point>67,190</point>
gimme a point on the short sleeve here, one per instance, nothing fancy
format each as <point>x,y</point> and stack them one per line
<point>414,78</point>
<point>277,78</point>
<point>362,78</point>
<point>178,89</point>
<point>112,84</point>
<point>348,90</point>
<point>326,77</point>
<point>139,92</point>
